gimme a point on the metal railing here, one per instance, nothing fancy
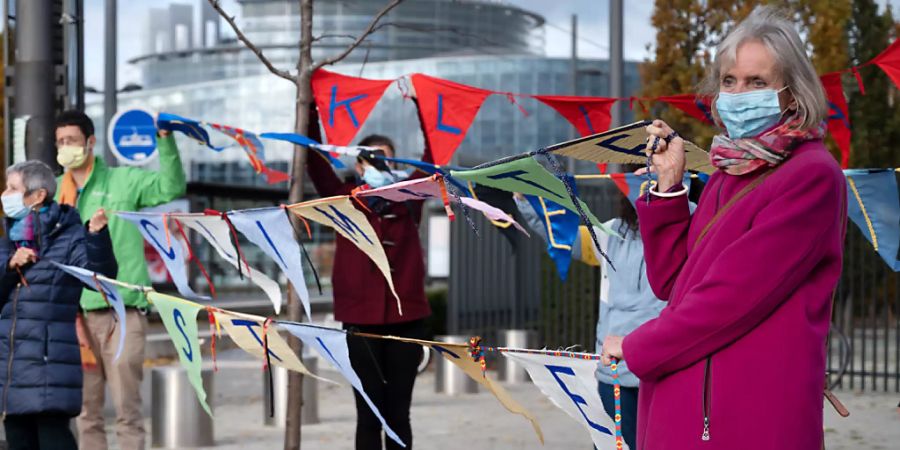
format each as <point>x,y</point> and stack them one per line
<point>865,337</point>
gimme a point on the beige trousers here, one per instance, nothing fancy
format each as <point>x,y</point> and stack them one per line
<point>123,377</point>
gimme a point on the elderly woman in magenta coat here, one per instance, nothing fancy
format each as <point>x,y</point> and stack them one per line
<point>736,360</point>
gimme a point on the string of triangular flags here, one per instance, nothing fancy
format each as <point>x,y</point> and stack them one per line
<point>447,109</point>
<point>521,173</point>
<point>271,230</point>
<point>566,378</point>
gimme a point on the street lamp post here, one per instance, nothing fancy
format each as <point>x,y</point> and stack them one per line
<point>109,78</point>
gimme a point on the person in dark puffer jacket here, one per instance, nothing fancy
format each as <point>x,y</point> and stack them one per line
<point>40,361</point>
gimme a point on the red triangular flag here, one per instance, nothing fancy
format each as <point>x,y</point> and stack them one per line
<point>693,105</point>
<point>621,182</point>
<point>344,103</point>
<point>446,110</point>
<point>589,115</point>
<point>889,61</point>
<point>838,115</point>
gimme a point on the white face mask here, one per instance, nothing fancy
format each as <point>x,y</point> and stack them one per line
<point>748,114</point>
<point>14,206</point>
<point>375,178</point>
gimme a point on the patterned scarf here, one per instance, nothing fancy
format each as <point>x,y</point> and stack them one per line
<point>743,156</point>
<point>22,231</point>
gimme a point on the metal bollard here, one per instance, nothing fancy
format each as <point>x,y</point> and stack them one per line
<point>509,370</point>
<point>451,380</point>
<point>310,411</point>
<point>178,419</point>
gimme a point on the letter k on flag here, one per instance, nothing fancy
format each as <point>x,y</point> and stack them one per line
<point>344,103</point>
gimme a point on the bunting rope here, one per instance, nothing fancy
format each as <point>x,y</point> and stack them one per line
<point>237,244</point>
<point>474,347</point>
<point>191,256</point>
<point>584,219</point>
<point>617,391</point>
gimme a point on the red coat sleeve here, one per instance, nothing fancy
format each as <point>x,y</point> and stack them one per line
<point>318,167</point>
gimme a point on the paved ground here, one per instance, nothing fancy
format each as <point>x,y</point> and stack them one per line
<point>474,421</point>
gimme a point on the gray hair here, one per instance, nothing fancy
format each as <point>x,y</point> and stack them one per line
<point>35,176</point>
<point>778,35</point>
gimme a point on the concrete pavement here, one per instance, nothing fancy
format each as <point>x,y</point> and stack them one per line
<point>474,421</point>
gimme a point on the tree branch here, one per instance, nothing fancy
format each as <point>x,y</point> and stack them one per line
<point>250,45</point>
<point>373,26</point>
<point>333,36</point>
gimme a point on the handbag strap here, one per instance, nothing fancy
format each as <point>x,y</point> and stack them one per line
<point>731,202</point>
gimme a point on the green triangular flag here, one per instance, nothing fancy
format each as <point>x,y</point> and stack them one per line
<point>525,175</point>
<point>180,319</point>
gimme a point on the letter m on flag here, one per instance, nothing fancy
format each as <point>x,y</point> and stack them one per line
<point>344,103</point>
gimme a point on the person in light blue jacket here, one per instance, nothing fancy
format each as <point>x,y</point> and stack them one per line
<point>626,300</point>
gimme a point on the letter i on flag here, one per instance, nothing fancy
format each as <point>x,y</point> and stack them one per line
<point>344,103</point>
<point>217,234</point>
<point>271,231</point>
<point>446,110</point>
<point>331,345</point>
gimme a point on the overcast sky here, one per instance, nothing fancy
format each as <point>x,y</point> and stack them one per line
<point>593,20</point>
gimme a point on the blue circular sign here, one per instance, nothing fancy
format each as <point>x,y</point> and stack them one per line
<point>132,136</point>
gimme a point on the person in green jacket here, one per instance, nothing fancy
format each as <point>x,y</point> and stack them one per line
<point>90,185</point>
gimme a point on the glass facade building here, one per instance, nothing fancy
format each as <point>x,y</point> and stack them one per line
<point>263,103</point>
<point>418,29</point>
<point>492,46</point>
<point>484,43</point>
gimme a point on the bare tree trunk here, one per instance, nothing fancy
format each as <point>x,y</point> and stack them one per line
<point>292,430</point>
<point>302,110</point>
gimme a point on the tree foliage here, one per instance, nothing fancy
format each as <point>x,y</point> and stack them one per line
<point>689,30</point>
<point>874,116</point>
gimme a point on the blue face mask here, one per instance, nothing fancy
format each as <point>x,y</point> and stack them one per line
<point>14,206</point>
<point>375,178</point>
<point>749,113</point>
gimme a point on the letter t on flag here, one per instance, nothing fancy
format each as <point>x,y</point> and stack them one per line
<point>344,103</point>
<point>589,115</point>
<point>446,110</point>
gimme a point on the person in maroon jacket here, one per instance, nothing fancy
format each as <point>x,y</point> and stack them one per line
<point>363,300</point>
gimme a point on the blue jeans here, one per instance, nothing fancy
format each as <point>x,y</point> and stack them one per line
<point>628,399</point>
